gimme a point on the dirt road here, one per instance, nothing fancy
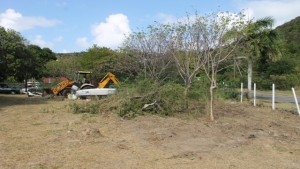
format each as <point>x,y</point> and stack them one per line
<point>39,133</point>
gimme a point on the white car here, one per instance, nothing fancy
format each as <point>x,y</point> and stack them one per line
<point>24,91</point>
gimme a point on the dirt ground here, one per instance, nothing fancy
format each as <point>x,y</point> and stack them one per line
<point>41,133</point>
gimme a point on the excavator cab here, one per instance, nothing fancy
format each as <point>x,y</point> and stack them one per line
<point>83,77</point>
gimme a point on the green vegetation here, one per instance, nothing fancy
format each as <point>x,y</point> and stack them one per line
<point>169,69</point>
<point>19,61</point>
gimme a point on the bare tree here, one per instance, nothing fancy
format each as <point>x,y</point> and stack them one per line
<point>220,38</point>
<point>150,50</point>
<point>199,42</point>
<point>187,51</point>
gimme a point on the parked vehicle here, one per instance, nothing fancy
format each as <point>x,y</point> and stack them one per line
<point>4,88</point>
<point>24,91</point>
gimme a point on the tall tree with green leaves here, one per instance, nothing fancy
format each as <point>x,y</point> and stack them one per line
<point>259,40</point>
<point>13,54</point>
<point>65,65</point>
<point>39,58</point>
<point>100,60</point>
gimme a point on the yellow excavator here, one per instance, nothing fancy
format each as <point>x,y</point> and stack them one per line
<point>64,87</point>
<point>100,90</point>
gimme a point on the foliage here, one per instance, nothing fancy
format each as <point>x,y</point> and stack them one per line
<point>65,65</point>
<point>20,60</point>
<point>150,50</point>
<point>290,33</point>
<point>91,108</point>
<point>166,99</point>
<point>282,81</point>
<point>99,60</point>
<point>13,54</point>
<point>38,60</point>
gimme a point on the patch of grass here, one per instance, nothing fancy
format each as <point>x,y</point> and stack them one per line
<point>46,110</point>
<point>4,129</point>
<point>37,124</point>
<point>92,107</point>
<point>92,121</point>
<point>54,123</point>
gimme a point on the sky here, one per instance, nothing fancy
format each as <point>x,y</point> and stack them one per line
<point>67,26</point>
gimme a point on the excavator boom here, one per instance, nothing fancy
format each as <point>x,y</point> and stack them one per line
<point>109,77</point>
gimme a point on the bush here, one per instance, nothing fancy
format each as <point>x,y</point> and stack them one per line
<point>162,100</point>
<point>282,82</point>
<point>230,93</point>
<point>199,88</point>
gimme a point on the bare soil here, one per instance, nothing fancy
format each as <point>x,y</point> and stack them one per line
<point>41,133</point>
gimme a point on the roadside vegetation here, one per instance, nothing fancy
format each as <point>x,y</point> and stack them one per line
<point>169,69</point>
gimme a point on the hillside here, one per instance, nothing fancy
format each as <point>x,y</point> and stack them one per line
<point>290,33</point>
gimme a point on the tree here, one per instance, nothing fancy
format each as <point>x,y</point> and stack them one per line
<point>221,37</point>
<point>259,39</point>
<point>13,54</point>
<point>38,60</point>
<point>20,60</point>
<point>150,50</point>
<point>186,47</point>
<point>100,60</point>
<point>65,65</point>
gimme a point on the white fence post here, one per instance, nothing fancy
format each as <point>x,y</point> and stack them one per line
<point>296,101</point>
<point>273,96</point>
<point>254,95</point>
<point>241,92</point>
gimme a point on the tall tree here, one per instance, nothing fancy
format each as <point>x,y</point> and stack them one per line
<point>65,65</point>
<point>100,60</point>
<point>13,54</point>
<point>259,39</point>
<point>38,60</point>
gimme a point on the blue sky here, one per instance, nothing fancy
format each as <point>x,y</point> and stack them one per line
<point>74,26</point>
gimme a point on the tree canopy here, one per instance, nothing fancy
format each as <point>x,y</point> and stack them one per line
<point>18,60</point>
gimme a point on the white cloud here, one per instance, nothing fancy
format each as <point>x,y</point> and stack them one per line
<point>38,40</point>
<point>82,42</point>
<point>111,32</point>
<point>15,20</point>
<point>281,10</point>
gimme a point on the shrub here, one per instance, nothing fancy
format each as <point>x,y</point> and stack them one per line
<point>282,82</point>
<point>162,100</point>
<point>91,108</point>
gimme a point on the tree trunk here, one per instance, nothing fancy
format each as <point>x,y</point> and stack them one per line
<point>249,77</point>
<point>185,93</point>
<point>211,114</point>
